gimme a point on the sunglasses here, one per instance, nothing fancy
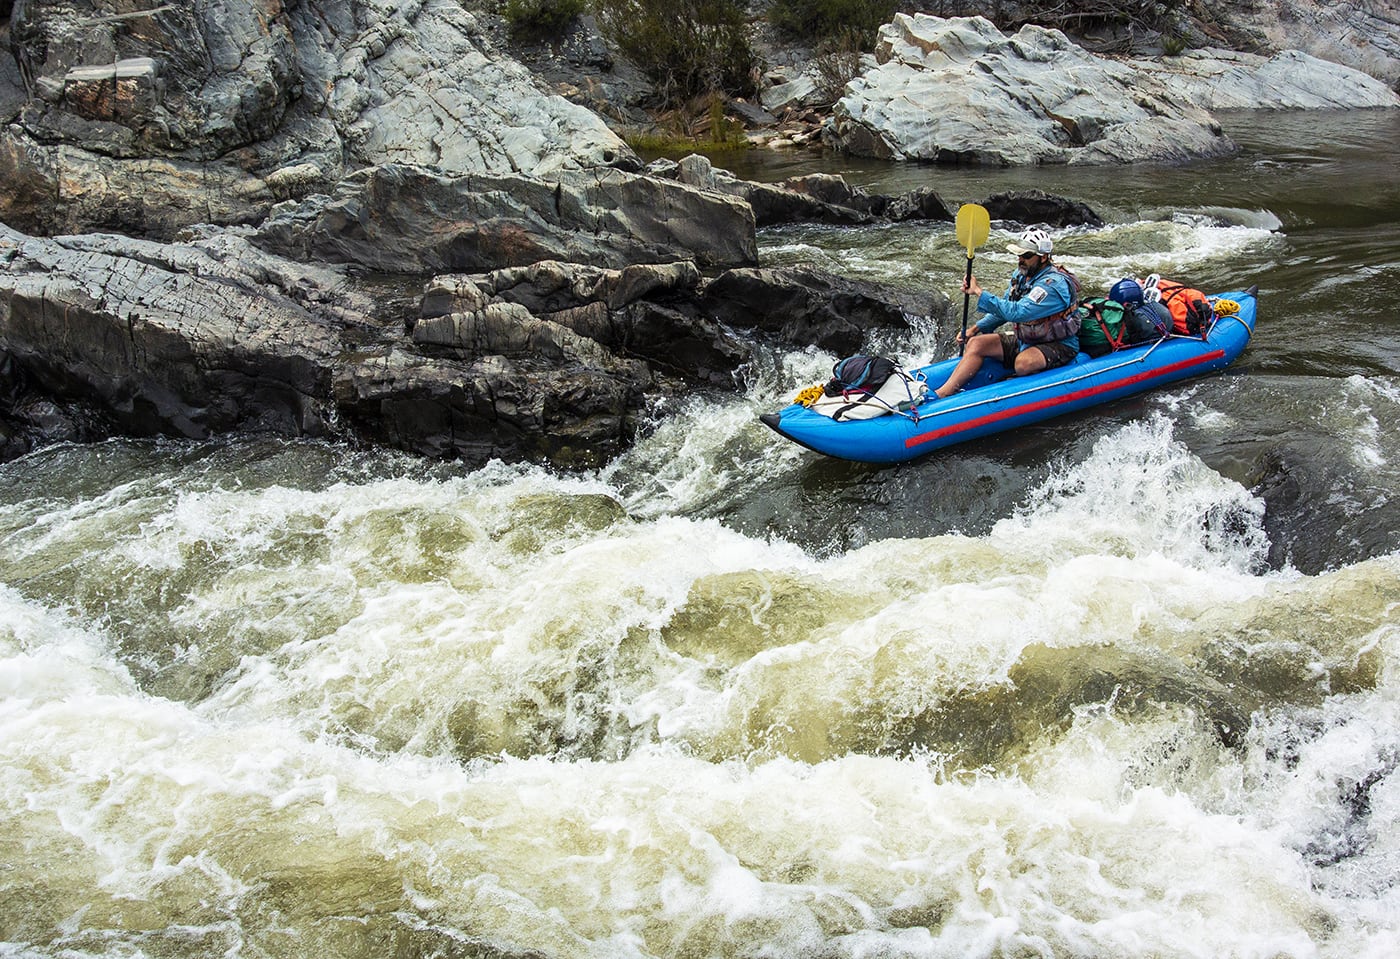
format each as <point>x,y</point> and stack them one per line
<point>1027,256</point>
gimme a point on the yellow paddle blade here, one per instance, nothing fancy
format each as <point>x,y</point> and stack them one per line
<point>973,225</point>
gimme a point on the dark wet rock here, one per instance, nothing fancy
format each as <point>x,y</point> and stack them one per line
<point>808,307</point>
<point>648,312</point>
<point>1040,208</point>
<point>666,315</point>
<point>492,407</point>
<point>184,340</point>
<point>833,191</point>
<point>815,198</point>
<point>553,361</point>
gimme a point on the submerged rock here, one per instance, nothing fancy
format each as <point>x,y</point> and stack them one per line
<point>1040,208</point>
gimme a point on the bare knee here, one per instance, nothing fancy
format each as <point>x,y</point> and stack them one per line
<point>984,345</point>
<point>1030,360</point>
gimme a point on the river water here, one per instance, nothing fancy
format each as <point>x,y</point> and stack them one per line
<point>1121,685</point>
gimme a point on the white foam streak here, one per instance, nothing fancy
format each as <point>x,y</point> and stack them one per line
<point>1177,247</point>
<point>1140,492</point>
<point>47,657</point>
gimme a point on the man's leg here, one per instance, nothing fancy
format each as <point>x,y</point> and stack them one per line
<point>1030,360</point>
<point>978,348</point>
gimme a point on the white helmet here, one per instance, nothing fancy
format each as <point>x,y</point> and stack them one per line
<point>1032,241</point>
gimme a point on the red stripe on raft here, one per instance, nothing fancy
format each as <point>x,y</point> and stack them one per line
<point>1063,398</point>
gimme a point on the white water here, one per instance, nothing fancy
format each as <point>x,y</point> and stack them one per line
<point>400,709</point>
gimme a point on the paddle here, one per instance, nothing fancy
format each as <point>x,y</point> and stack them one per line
<point>972,224</point>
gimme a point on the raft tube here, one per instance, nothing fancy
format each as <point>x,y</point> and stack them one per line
<point>993,402</point>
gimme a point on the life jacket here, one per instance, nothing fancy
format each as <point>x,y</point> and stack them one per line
<point>1191,311</point>
<point>1057,326</point>
<point>1103,327</point>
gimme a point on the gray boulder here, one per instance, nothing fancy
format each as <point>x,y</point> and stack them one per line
<point>958,90</point>
<point>209,110</point>
<point>401,219</point>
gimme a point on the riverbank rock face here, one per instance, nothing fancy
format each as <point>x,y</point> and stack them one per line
<point>148,120</point>
<point>103,335</point>
<point>960,91</point>
<point>1363,36</point>
<point>196,79</point>
<point>1291,80</point>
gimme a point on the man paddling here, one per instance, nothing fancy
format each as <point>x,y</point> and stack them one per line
<point>1037,319</point>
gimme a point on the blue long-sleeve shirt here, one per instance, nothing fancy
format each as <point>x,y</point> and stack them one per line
<point>1048,293</point>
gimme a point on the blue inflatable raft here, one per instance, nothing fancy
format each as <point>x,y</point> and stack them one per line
<point>992,403</point>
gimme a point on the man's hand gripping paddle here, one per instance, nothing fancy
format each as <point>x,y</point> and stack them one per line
<point>973,225</point>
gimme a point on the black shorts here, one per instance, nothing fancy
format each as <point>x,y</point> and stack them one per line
<point>1056,354</point>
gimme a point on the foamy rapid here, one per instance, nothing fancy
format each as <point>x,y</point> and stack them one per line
<point>275,699</point>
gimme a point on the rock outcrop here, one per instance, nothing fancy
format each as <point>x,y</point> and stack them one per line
<point>401,219</point>
<point>1363,36</point>
<point>145,121</point>
<point>1290,80</point>
<point>553,361</point>
<point>959,91</point>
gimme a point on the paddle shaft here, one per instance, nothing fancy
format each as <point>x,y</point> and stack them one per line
<point>962,337</point>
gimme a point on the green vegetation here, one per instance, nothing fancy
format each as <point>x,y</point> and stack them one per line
<point>689,48</point>
<point>1174,45</point>
<point>697,127</point>
<point>837,60</point>
<point>827,20</point>
<point>542,18</point>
